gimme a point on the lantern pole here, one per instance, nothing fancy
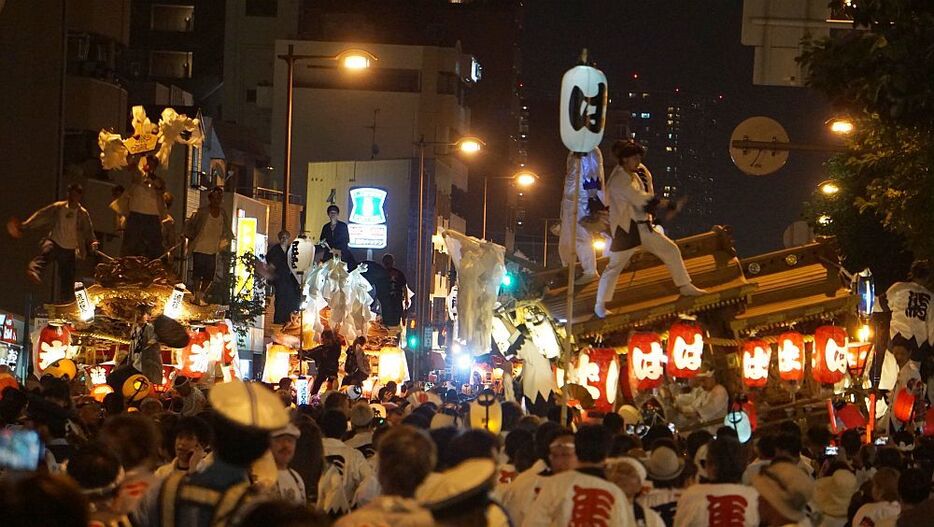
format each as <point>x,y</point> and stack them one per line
<point>572,266</point>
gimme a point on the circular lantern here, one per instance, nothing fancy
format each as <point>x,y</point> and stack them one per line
<point>100,391</point>
<point>757,354</point>
<point>194,359</point>
<point>685,350</point>
<point>136,388</point>
<point>791,356</point>
<point>739,421</point>
<point>392,365</point>
<point>582,112</point>
<point>598,372</point>
<point>904,405</point>
<point>54,343</point>
<point>62,369</point>
<point>829,355</point>
<point>646,361</point>
<point>300,255</point>
<point>486,412</point>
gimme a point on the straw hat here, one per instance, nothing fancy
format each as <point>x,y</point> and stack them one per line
<point>664,464</point>
<point>786,488</point>
<point>832,494</point>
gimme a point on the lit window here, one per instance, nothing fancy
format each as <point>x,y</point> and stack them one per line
<point>667,149</point>
<point>645,115</point>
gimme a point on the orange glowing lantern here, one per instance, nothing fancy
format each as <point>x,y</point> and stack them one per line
<point>830,354</point>
<point>7,381</point>
<point>757,354</point>
<point>791,356</point>
<point>598,372</point>
<point>392,365</point>
<point>904,405</point>
<point>194,359</point>
<point>54,343</point>
<point>856,355</point>
<point>646,361</point>
<point>223,343</point>
<point>100,391</point>
<point>685,350</point>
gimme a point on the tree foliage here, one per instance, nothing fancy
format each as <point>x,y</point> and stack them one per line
<point>880,74</point>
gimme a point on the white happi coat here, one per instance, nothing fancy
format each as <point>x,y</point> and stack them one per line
<point>573,498</point>
<point>517,496</point>
<point>912,312</point>
<point>716,504</point>
<point>345,469</point>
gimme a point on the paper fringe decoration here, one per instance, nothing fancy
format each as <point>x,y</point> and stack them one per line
<point>172,125</point>
<point>480,270</point>
<point>347,294</point>
<point>588,172</point>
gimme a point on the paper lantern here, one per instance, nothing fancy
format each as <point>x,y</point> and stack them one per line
<point>582,112</point>
<point>53,343</point>
<point>62,369</point>
<point>685,350</point>
<point>856,355</point>
<point>278,362</point>
<point>829,355</point>
<point>301,254</point>
<point>904,405</point>
<point>194,358</point>
<point>738,420</point>
<point>646,361</point>
<point>173,306</point>
<point>392,365</point>
<point>486,412</point>
<point>598,372</point>
<point>100,391</point>
<point>791,356</point>
<point>757,354</point>
<point>83,301</point>
<point>136,388</point>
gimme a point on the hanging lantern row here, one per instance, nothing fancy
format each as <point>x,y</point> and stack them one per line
<point>681,358</point>
<point>831,358</point>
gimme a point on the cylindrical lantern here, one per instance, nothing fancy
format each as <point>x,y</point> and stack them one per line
<point>904,405</point>
<point>830,354</point>
<point>83,301</point>
<point>646,361</point>
<point>757,354</point>
<point>301,254</point>
<point>486,412</point>
<point>791,356</point>
<point>598,372</point>
<point>392,365</point>
<point>194,359</point>
<point>53,343</point>
<point>866,290</point>
<point>739,421</point>
<point>685,350</point>
<point>278,362</point>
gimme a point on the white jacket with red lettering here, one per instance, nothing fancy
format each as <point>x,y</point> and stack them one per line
<point>718,505</point>
<point>574,498</point>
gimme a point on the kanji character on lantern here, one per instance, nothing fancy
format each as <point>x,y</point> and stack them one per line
<point>646,360</point>
<point>830,354</point>
<point>195,356</point>
<point>685,350</point>
<point>791,356</point>
<point>598,372</point>
<point>757,354</point>
<point>52,344</point>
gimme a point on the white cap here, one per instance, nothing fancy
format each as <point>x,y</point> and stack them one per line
<point>249,404</point>
<point>289,430</point>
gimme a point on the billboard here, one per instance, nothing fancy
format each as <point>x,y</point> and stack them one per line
<point>367,219</point>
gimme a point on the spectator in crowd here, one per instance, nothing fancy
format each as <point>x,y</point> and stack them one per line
<point>722,501</point>
<point>362,421</point>
<point>914,495</point>
<point>784,492</point>
<point>884,508</point>
<point>192,442</point>
<point>665,469</point>
<point>96,469</point>
<point>765,450</point>
<point>832,496</point>
<point>41,499</point>
<point>554,446</point>
<point>630,475</point>
<point>344,468</point>
<point>290,486</point>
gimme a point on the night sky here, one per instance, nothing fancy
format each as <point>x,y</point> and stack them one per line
<point>691,45</point>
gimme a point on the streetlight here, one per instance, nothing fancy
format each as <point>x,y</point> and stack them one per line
<point>599,243</point>
<point>468,145</point>
<point>829,187</point>
<point>841,126</point>
<point>350,59</point>
<point>524,178</point>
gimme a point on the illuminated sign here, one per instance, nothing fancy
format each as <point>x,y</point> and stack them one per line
<point>246,243</point>
<point>367,220</point>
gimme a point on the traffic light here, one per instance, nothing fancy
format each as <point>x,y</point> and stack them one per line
<point>412,341</point>
<point>509,280</point>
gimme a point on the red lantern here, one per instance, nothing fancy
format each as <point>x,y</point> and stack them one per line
<point>230,353</point>
<point>757,354</point>
<point>791,356</point>
<point>598,372</point>
<point>851,417</point>
<point>54,343</point>
<point>168,377</point>
<point>830,354</point>
<point>856,355</point>
<point>904,405</point>
<point>196,356</point>
<point>646,361</point>
<point>685,350</point>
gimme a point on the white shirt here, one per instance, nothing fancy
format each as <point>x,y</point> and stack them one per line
<point>290,486</point>
<point>626,197</point>
<point>65,229</point>
<point>209,238</point>
<point>715,504</point>
<point>881,514</point>
<point>518,496</point>
<point>652,518</point>
<point>143,199</point>
<point>344,471</point>
<point>359,439</point>
<point>575,498</point>
<point>753,470</point>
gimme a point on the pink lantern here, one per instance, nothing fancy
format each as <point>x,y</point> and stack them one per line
<point>685,350</point>
<point>646,361</point>
<point>757,354</point>
<point>829,355</point>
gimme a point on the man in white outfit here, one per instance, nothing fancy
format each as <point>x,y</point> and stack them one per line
<point>630,196</point>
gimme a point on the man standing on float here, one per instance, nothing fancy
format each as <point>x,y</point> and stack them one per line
<point>632,202</point>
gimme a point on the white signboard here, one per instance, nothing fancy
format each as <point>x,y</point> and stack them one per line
<point>367,236</point>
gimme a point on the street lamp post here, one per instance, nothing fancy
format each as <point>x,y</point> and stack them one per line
<point>351,59</point>
<point>467,145</point>
<point>523,178</point>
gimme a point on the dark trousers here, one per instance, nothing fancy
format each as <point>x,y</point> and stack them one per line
<point>143,236</point>
<point>49,252</point>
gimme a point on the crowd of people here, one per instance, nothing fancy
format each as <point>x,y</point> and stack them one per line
<point>245,454</point>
